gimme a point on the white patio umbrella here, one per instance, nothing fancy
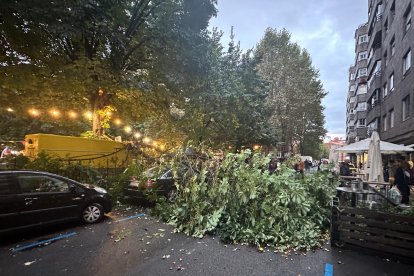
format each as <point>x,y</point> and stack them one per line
<point>363,146</point>
<point>375,170</point>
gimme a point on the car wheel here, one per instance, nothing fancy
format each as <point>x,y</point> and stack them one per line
<point>172,195</point>
<point>92,213</point>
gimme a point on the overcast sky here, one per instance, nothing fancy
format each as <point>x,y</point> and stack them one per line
<point>324,27</point>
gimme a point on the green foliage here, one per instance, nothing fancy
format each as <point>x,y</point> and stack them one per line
<point>242,202</point>
<point>294,91</point>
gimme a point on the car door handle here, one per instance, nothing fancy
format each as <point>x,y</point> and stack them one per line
<point>29,200</point>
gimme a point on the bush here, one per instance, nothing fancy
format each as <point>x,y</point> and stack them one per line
<point>240,201</point>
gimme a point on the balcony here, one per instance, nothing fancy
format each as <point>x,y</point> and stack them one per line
<point>375,81</point>
<point>376,38</point>
<point>377,55</point>
<point>374,112</point>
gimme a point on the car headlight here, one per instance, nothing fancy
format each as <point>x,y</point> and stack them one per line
<point>100,190</point>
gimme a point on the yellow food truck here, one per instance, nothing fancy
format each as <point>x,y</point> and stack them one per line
<point>92,152</point>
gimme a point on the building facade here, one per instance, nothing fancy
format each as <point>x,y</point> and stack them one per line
<point>390,80</point>
<point>356,127</point>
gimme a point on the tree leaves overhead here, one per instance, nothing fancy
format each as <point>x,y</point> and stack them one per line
<point>127,47</point>
<point>163,69</point>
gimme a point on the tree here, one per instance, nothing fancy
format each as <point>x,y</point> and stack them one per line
<point>227,107</point>
<point>294,92</point>
<point>66,50</point>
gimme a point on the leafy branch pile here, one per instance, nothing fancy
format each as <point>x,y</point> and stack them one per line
<point>239,201</point>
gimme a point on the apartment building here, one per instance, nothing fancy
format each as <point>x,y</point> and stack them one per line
<point>390,80</point>
<point>356,127</point>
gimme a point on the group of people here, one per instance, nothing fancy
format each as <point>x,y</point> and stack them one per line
<point>399,173</point>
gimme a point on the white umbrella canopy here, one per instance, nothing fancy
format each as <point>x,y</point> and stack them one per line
<point>363,146</point>
<point>375,170</point>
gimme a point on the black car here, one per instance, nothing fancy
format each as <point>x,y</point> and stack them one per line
<point>163,184</point>
<point>32,198</point>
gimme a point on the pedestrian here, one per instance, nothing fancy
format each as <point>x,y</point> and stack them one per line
<point>401,183</point>
<point>272,165</point>
<point>409,171</point>
<point>344,170</point>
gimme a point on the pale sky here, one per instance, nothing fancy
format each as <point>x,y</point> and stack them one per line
<point>325,28</point>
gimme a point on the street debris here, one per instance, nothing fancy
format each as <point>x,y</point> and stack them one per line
<point>29,263</point>
<point>119,234</point>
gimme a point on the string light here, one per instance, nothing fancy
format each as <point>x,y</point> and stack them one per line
<point>256,147</point>
<point>34,112</point>
<point>88,115</point>
<point>118,122</point>
<point>54,113</point>
<point>72,114</point>
<point>128,129</point>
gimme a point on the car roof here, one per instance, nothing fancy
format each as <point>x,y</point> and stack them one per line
<point>15,172</point>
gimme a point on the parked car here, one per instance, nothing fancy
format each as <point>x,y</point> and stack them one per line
<point>163,184</point>
<point>32,198</point>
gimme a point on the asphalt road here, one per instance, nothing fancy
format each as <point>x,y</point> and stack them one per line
<point>125,245</point>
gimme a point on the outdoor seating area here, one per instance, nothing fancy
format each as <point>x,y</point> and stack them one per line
<point>367,212</point>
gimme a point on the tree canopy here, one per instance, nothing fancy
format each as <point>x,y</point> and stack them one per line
<point>160,69</point>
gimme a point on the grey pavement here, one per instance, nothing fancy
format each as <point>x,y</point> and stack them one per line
<point>145,246</point>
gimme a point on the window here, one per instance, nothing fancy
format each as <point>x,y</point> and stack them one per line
<point>362,55</point>
<point>385,58</point>
<point>407,18</point>
<point>352,77</point>
<point>362,89</point>
<point>379,9</point>
<point>385,90</point>
<point>362,72</point>
<point>352,88</point>
<point>391,82</point>
<point>362,107</point>
<point>41,184</point>
<point>406,108</point>
<point>407,62</point>
<point>385,123</point>
<point>363,38</point>
<point>391,114</point>
<point>392,46</point>
<point>386,26</point>
<point>377,66</point>
<point>361,122</point>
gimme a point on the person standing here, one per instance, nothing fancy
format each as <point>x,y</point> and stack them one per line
<point>401,182</point>
<point>344,170</point>
<point>272,165</point>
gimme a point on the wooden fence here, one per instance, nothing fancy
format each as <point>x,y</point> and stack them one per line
<point>384,234</point>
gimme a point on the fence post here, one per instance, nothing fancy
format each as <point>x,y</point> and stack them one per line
<point>335,234</point>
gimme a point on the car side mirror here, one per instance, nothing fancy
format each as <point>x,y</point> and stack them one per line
<point>75,189</point>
